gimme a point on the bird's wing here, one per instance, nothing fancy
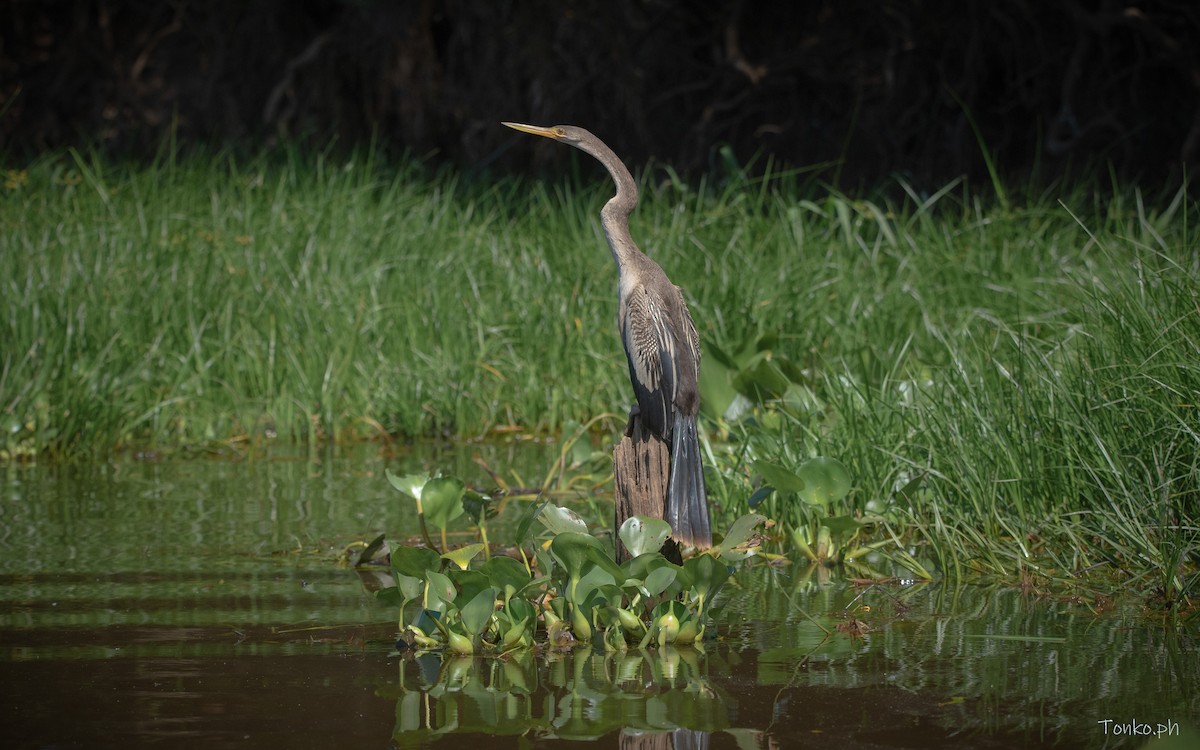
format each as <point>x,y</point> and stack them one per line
<point>693,337</point>
<point>650,347</point>
<point>686,394</point>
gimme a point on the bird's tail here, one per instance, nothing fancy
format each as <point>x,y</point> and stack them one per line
<point>687,500</point>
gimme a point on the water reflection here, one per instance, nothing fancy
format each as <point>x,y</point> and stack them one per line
<point>577,695</point>
<point>199,604</point>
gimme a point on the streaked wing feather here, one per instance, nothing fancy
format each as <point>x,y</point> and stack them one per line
<point>649,346</point>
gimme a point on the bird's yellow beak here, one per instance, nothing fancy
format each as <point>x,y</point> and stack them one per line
<point>535,130</point>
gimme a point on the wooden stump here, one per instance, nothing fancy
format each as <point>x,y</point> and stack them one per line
<point>680,739</point>
<point>641,469</point>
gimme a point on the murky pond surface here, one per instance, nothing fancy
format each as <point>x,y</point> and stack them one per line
<point>198,604</point>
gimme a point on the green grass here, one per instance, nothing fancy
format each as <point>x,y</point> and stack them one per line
<point>1029,373</point>
<point>211,298</point>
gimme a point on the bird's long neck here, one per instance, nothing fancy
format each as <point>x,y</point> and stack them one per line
<point>615,215</point>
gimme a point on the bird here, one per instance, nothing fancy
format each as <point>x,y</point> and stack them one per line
<point>660,340</point>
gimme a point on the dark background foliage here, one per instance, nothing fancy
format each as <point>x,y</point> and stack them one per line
<point>852,90</point>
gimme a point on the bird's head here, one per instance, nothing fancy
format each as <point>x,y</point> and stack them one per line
<point>568,134</point>
<point>584,141</point>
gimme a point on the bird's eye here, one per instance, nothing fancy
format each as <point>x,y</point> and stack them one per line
<point>559,132</point>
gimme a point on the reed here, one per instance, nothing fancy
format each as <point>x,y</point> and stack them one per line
<point>1027,372</point>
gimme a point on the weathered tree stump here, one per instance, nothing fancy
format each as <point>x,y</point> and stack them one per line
<point>680,739</point>
<point>641,469</point>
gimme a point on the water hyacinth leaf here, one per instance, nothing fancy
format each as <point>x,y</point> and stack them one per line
<point>506,574</point>
<point>442,500</point>
<point>595,581</point>
<point>843,527</point>
<point>689,631</point>
<point>570,549</point>
<point>708,576</point>
<point>463,556</point>
<point>527,518</point>
<point>409,565</point>
<point>762,381</point>
<point>409,587</point>
<point>459,643</point>
<point>659,579</point>
<point>665,621</point>
<point>825,481</point>
<point>637,568</point>
<point>606,596</point>
<point>439,591</point>
<point>478,611</point>
<point>614,640</point>
<point>800,399</point>
<point>778,477</point>
<point>716,355</point>
<point>579,450</point>
<point>427,623</point>
<point>516,620</point>
<point>479,507</point>
<point>561,520</point>
<point>410,484</point>
<point>682,582</point>
<point>581,624</point>
<point>717,394</point>
<point>469,583</point>
<point>392,596</point>
<point>643,534</point>
<point>759,495</point>
<point>599,556</point>
<point>741,541</point>
<point>414,561</point>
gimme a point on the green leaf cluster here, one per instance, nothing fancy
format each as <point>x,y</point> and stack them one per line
<point>566,589</point>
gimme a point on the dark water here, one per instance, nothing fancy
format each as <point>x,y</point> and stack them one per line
<point>199,604</point>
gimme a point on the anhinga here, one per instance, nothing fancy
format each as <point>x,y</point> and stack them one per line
<point>660,341</point>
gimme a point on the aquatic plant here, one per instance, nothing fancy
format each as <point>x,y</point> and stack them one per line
<point>565,589</point>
